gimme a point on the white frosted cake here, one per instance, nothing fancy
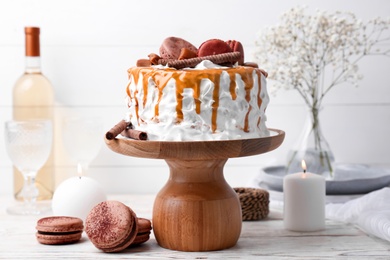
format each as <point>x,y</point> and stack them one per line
<point>208,102</point>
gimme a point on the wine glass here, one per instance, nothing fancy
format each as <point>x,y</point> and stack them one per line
<point>28,144</point>
<point>82,137</point>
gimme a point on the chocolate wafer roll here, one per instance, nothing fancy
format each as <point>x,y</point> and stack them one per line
<point>134,134</point>
<point>217,59</point>
<point>116,130</point>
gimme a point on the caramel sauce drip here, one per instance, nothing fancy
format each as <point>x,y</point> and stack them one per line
<point>232,86</point>
<point>259,99</point>
<point>192,79</point>
<point>135,77</point>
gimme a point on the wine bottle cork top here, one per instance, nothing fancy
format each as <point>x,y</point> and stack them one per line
<point>32,41</point>
<point>31,30</point>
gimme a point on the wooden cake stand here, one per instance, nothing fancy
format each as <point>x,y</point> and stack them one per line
<point>197,210</point>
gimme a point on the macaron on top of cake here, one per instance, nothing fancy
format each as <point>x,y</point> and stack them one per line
<point>213,47</point>
<point>171,48</point>
<point>111,226</point>
<point>237,46</point>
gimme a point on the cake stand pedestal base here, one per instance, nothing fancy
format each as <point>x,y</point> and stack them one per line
<point>197,210</point>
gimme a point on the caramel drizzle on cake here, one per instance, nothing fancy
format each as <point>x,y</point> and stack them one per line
<point>192,79</point>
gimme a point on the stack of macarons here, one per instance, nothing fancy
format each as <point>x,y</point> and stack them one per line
<point>110,225</point>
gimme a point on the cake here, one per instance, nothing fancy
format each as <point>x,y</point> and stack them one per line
<point>206,101</point>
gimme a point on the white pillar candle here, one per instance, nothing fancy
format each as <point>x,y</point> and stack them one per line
<point>76,196</point>
<point>304,201</point>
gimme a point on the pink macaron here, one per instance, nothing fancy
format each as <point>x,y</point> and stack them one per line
<point>171,48</point>
<point>213,47</point>
<point>237,46</point>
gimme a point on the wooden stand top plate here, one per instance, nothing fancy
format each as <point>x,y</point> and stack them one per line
<point>197,150</point>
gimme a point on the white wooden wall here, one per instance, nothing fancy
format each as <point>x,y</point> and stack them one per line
<point>87,46</point>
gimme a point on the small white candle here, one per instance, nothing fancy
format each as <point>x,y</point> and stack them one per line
<point>76,196</point>
<point>304,201</point>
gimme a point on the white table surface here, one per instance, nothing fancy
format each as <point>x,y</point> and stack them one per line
<point>265,239</point>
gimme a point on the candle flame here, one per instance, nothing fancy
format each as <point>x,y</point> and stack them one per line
<point>303,164</point>
<point>79,170</point>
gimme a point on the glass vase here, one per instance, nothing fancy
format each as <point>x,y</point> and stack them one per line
<point>313,148</point>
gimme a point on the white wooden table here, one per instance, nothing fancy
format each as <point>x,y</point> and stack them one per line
<point>266,239</point>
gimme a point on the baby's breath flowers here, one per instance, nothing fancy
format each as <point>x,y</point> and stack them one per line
<point>314,53</point>
<point>302,49</point>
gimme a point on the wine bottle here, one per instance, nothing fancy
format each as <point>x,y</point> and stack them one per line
<point>33,98</point>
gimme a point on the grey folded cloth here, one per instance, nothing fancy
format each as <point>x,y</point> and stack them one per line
<point>371,213</point>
